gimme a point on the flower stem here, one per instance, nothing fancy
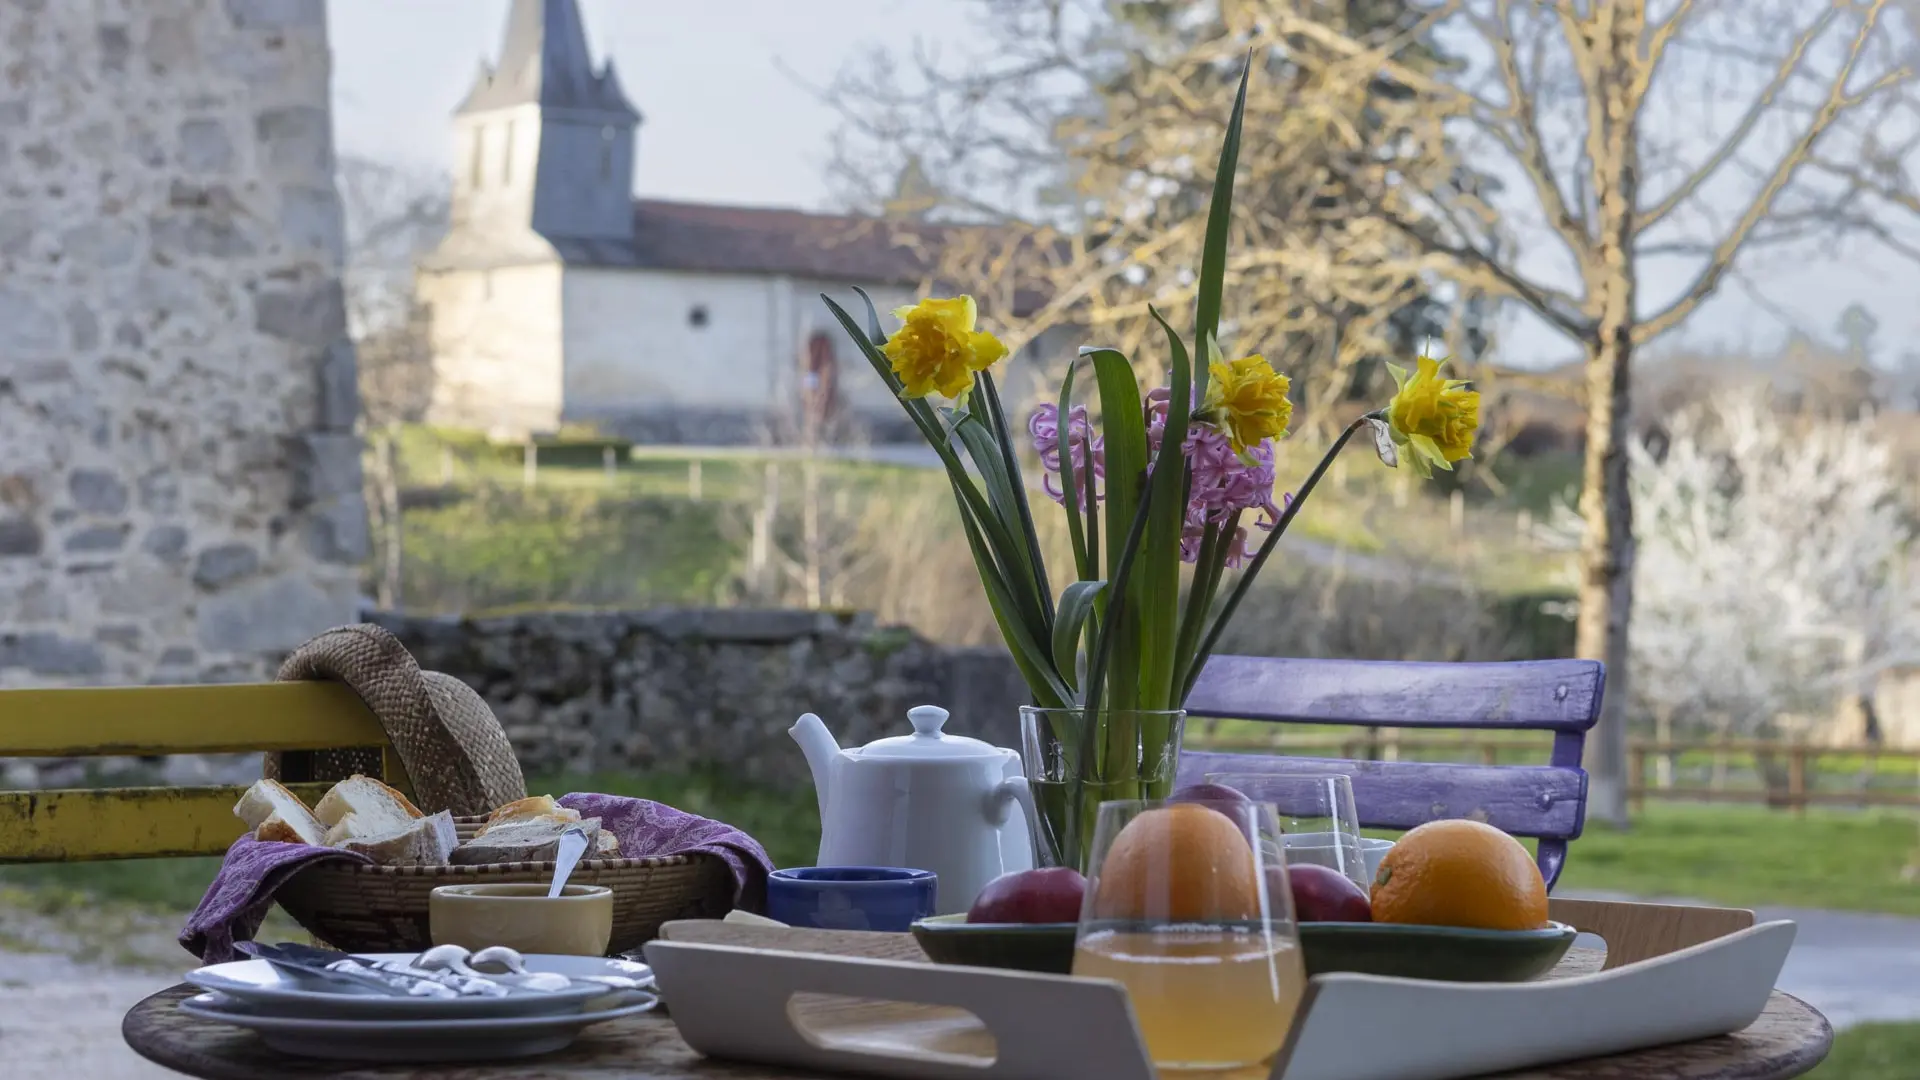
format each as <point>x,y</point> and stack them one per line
<point>1260,558</point>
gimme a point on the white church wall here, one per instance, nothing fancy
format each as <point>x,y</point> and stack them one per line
<point>637,340</point>
<point>496,346</point>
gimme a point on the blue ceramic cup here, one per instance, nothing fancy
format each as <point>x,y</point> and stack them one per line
<point>885,898</point>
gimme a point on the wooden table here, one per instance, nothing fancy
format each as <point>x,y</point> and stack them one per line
<point>1789,1039</point>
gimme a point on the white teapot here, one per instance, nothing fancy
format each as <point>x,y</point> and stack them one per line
<point>928,801</point>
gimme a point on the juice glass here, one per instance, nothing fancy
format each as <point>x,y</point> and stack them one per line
<point>1188,908</point>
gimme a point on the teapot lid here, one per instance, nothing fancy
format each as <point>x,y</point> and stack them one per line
<point>928,742</point>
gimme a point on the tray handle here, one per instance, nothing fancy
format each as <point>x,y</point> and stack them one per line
<point>1635,932</point>
<point>735,1003</point>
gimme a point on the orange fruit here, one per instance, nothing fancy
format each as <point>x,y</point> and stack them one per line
<point>1178,863</point>
<point>1460,873</point>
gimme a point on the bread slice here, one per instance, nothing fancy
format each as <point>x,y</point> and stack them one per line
<point>523,841</point>
<point>605,845</point>
<point>276,814</point>
<point>427,841</point>
<point>532,808</point>
<point>377,808</point>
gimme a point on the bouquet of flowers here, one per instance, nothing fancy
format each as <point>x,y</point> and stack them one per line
<point>1183,473</point>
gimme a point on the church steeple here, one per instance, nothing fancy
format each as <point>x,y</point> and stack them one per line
<point>545,139</point>
<point>544,61</point>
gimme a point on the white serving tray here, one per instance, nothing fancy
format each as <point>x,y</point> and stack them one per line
<point>764,1005</point>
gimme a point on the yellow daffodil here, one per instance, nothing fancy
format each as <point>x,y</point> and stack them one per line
<point>1246,399</point>
<point>937,348</point>
<point>1434,419</point>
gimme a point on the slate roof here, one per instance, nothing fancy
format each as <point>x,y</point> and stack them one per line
<point>710,238</point>
<point>544,61</point>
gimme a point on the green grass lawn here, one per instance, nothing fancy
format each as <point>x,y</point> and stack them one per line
<point>1738,856</point>
<point>1872,1052</point>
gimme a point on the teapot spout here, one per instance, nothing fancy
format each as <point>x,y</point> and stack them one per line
<point>817,743</point>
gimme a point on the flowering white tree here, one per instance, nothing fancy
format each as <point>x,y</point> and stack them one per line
<point>1776,564</point>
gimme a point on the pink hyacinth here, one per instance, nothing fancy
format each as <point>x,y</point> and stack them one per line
<point>1223,485</point>
<point>1082,439</point>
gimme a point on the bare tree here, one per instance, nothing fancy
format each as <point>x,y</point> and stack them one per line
<point>392,216</point>
<point>1639,133</point>
<point>1073,169</point>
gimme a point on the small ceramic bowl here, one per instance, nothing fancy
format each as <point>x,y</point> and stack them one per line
<point>887,898</point>
<point>1444,953</point>
<point>578,922</point>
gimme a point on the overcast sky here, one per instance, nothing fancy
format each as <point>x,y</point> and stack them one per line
<point>725,123</point>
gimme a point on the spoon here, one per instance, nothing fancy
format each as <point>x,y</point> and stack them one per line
<point>573,844</point>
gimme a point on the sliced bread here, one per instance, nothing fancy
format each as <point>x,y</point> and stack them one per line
<point>274,813</point>
<point>532,808</point>
<point>376,808</point>
<point>606,845</point>
<point>427,841</point>
<point>522,841</point>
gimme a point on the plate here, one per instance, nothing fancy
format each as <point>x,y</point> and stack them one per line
<point>423,1040</point>
<point>1042,947</point>
<point>260,985</point>
<point>1444,953</point>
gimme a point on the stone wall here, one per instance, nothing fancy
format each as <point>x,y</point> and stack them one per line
<point>672,690</point>
<point>179,478</point>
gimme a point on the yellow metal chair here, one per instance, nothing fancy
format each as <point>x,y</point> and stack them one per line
<point>151,822</point>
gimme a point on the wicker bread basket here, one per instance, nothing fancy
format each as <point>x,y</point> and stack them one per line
<point>359,908</point>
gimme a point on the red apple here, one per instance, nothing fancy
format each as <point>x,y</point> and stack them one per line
<point>1051,894</point>
<point>1322,894</point>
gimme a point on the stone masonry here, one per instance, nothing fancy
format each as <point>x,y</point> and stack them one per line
<point>179,476</point>
<point>671,690</point>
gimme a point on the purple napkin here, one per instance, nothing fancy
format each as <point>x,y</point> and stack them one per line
<point>243,890</point>
<point>651,830</point>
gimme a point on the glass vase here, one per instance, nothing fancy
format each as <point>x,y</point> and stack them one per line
<point>1075,761</point>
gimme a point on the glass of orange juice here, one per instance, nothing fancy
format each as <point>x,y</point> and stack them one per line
<point>1189,909</point>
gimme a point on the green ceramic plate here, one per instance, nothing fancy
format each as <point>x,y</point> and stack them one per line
<point>951,939</point>
<point>1445,953</point>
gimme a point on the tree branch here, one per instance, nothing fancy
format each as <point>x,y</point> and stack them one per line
<point>1838,101</point>
<point>1788,67</point>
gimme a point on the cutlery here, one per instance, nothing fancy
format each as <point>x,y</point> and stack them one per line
<point>573,844</point>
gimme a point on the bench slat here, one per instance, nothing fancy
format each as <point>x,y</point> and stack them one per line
<point>1544,695</point>
<point>219,719</point>
<point>85,825</point>
<point>1525,800</point>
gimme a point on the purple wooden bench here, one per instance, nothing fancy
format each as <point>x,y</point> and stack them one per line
<point>1547,802</point>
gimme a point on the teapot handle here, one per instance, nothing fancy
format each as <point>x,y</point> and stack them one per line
<point>1000,801</point>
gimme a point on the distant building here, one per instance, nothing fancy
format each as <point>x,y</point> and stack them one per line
<point>557,297</point>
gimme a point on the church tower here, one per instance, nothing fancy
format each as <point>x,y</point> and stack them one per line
<point>543,140</point>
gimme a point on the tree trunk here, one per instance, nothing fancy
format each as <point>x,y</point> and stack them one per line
<point>1606,569</point>
<point>1612,32</point>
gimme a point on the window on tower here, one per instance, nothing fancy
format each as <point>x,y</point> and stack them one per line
<point>506,157</point>
<point>606,153</point>
<point>697,318</point>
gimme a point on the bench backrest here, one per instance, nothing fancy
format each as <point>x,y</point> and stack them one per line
<point>1547,802</point>
<point>142,822</point>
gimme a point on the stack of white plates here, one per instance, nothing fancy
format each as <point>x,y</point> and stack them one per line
<point>317,1019</point>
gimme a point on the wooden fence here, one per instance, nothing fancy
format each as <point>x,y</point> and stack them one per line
<point>1788,773</point>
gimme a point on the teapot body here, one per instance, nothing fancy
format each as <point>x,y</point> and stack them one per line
<point>964,820</point>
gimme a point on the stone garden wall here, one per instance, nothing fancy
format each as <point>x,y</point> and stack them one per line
<point>672,690</point>
<point>179,478</point>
